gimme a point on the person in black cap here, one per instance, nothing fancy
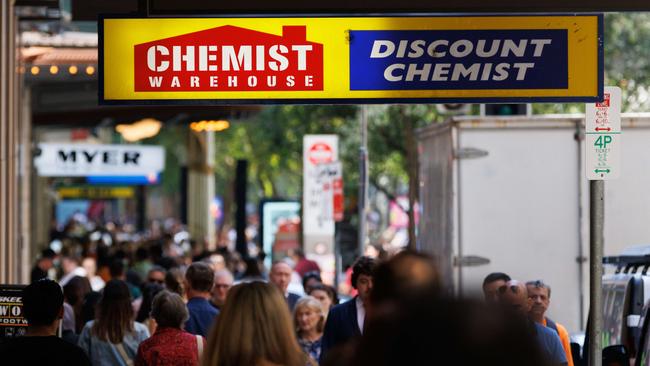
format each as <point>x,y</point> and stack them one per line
<point>43,309</point>
<point>43,265</point>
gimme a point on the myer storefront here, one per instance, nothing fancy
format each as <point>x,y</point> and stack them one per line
<point>99,182</point>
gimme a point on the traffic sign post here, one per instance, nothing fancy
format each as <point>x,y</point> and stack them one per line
<point>320,153</point>
<point>603,159</point>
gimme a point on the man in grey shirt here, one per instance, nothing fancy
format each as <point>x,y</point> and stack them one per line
<point>515,295</point>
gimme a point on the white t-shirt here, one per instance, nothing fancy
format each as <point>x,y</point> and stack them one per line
<point>361,313</point>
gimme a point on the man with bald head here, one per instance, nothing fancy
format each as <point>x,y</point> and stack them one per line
<point>515,296</point>
<point>280,276</point>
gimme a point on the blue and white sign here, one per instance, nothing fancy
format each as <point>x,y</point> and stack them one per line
<point>459,59</point>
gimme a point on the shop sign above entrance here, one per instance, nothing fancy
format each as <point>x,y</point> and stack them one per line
<point>83,160</point>
<point>497,58</point>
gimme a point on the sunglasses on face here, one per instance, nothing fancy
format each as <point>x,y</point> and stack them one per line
<point>155,280</point>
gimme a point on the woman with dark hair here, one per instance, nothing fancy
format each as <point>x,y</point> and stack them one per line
<point>113,337</point>
<point>75,292</point>
<point>175,281</point>
<point>326,295</point>
<point>149,291</point>
<point>311,279</point>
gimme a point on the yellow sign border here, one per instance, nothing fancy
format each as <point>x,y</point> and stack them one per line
<point>119,35</point>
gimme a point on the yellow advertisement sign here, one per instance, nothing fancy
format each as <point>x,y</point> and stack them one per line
<point>536,58</point>
<point>96,192</point>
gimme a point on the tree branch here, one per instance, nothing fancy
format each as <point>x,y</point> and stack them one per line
<point>388,194</point>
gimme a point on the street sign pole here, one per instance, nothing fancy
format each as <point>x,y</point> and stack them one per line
<point>363,180</point>
<point>602,162</point>
<point>596,240</point>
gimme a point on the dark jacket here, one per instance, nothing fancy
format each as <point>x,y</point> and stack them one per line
<point>292,300</point>
<point>341,326</point>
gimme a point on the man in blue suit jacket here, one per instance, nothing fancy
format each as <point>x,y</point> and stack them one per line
<point>280,276</point>
<point>346,321</point>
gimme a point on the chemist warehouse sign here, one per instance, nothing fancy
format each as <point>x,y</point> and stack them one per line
<point>542,58</point>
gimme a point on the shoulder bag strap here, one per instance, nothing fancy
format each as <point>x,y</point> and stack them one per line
<point>199,346</point>
<point>120,349</point>
<point>551,324</point>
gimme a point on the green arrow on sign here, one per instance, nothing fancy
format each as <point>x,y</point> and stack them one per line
<point>601,170</point>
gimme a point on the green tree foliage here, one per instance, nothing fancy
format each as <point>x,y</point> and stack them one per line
<point>627,63</point>
<point>627,57</point>
<point>388,142</point>
<point>272,143</point>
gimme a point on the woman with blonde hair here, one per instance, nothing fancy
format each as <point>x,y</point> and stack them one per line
<point>309,319</point>
<point>254,329</point>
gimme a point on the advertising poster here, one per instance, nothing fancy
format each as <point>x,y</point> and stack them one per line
<point>280,228</point>
<point>12,322</point>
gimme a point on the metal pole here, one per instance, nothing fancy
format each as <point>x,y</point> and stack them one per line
<point>580,136</point>
<point>363,180</point>
<point>337,260</point>
<point>596,225</point>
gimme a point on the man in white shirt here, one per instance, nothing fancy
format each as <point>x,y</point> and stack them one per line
<point>346,321</point>
<point>71,268</point>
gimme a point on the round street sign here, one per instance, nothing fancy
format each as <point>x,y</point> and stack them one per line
<point>320,153</point>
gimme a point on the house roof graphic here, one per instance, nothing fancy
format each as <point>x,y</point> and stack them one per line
<point>229,34</point>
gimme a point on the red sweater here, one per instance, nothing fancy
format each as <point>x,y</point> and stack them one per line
<point>169,346</point>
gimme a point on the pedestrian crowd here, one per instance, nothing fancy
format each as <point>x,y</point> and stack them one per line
<point>146,306</point>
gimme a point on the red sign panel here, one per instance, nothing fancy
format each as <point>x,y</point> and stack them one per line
<point>230,58</point>
<point>337,186</point>
<point>320,153</point>
<point>604,103</point>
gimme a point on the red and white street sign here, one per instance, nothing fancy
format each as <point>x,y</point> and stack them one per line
<point>603,136</point>
<point>320,153</point>
<point>320,192</point>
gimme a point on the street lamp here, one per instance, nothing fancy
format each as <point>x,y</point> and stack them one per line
<point>139,130</point>
<point>210,126</point>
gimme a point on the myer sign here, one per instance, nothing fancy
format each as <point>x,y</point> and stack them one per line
<point>80,160</point>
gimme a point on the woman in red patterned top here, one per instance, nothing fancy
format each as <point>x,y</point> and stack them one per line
<point>170,345</point>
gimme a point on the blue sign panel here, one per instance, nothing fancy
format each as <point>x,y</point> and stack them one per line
<point>459,59</point>
<point>123,179</point>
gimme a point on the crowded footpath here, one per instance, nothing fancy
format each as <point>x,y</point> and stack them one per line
<point>151,302</point>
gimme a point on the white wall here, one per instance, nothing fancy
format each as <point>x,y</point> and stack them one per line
<point>519,208</point>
